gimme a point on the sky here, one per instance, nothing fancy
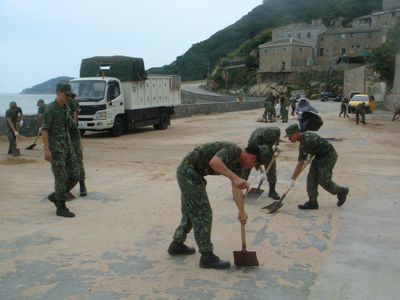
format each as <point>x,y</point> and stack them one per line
<point>43,39</point>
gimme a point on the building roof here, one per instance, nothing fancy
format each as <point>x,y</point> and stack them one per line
<point>286,42</point>
<point>353,29</point>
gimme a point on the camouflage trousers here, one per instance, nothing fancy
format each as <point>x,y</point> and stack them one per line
<point>358,117</point>
<point>79,156</point>
<point>12,141</point>
<point>195,208</point>
<point>269,114</point>
<point>320,173</point>
<point>284,114</point>
<point>66,173</point>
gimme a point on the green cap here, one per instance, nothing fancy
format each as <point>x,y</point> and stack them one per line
<point>292,129</point>
<point>64,87</point>
<point>40,101</point>
<point>13,104</point>
<point>264,156</point>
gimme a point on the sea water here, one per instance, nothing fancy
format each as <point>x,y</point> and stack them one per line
<point>27,102</point>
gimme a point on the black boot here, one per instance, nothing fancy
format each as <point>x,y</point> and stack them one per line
<point>342,195</point>
<point>82,188</point>
<point>52,198</point>
<point>272,192</point>
<point>63,211</point>
<point>309,205</point>
<point>176,248</point>
<point>211,261</point>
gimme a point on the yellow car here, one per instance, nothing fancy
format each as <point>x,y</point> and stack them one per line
<point>359,98</point>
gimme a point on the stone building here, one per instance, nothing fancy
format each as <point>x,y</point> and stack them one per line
<point>349,45</point>
<point>378,19</point>
<point>302,32</point>
<point>285,55</point>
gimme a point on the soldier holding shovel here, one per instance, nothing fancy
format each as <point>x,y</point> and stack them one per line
<point>321,168</point>
<point>12,115</point>
<point>217,158</point>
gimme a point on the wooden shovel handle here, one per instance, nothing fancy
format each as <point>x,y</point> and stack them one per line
<point>243,234</point>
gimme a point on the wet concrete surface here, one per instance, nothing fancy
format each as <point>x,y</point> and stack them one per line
<point>115,248</point>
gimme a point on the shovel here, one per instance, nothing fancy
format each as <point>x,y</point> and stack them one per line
<point>30,147</point>
<point>274,206</point>
<point>255,193</point>
<point>243,257</point>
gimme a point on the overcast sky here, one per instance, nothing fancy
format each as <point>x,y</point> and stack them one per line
<point>43,39</point>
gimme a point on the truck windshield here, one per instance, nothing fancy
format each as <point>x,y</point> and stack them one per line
<point>89,90</point>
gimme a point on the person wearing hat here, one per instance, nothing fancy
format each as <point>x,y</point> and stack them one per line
<point>216,158</point>
<point>40,105</point>
<point>73,107</point>
<point>268,136</point>
<point>320,173</point>
<point>304,106</point>
<point>12,130</point>
<point>58,148</point>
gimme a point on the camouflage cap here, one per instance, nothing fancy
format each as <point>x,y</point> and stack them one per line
<point>64,86</point>
<point>291,129</point>
<point>40,101</point>
<point>265,155</point>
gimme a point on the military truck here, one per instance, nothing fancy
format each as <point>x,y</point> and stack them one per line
<point>116,94</point>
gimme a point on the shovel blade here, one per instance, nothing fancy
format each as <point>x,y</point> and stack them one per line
<point>30,147</point>
<point>245,258</point>
<point>254,194</point>
<point>273,207</point>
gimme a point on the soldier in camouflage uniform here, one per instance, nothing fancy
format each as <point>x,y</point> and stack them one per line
<point>268,136</point>
<point>12,115</point>
<point>284,108</point>
<point>58,148</point>
<point>269,112</point>
<point>321,168</point>
<point>360,111</point>
<point>217,158</point>
<point>293,102</point>
<point>73,107</point>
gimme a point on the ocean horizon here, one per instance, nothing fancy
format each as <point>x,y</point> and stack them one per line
<point>27,102</point>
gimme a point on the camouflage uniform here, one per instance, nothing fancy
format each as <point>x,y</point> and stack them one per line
<point>284,109</point>
<point>292,105</point>
<point>12,113</point>
<point>360,110</point>
<point>267,136</point>
<point>269,111</point>
<point>195,206</point>
<point>73,106</point>
<point>57,122</point>
<point>321,168</point>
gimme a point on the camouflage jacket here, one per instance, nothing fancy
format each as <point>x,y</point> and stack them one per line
<point>265,136</point>
<point>73,106</point>
<point>200,157</point>
<point>57,121</point>
<point>312,143</point>
<point>13,113</point>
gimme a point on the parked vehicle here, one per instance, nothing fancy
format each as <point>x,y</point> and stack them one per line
<point>359,98</point>
<point>115,94</point>
<point>326,96</point>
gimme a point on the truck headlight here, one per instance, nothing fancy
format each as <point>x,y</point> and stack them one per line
<point>101,115</point>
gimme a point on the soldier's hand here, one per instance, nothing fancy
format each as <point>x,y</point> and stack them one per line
<point>277,149</point>
<point>242,217</point>
<point>241,183</point>
<point>47,155</point>
<point>16,133</point>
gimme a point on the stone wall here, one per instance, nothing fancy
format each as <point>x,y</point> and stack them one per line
<point>394,98</point>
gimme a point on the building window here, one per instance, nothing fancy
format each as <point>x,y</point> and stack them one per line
<point>309,35</point>
<point>283,66</point>
<point>289,35</point>
<point>322,38</point>
<point>265,51</point>
<point>301,49</point>
<point>321,51</point>
<point>353,34</point>
<point>299,35</point>
<point>343,35</point>
<point>343,51</point>
<point>284,49</point>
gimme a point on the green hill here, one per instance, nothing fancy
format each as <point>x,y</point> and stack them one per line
<point>194,64</point>
<point>47,87</point>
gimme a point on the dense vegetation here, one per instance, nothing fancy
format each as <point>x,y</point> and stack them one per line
<point>383,58</point>
<point>194,64</point>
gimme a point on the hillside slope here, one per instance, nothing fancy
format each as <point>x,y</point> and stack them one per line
<point>193,64</point>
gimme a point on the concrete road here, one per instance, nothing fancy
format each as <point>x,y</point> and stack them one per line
<point>115,248</point>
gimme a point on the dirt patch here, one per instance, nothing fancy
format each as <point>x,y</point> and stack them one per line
<point>17,161</point>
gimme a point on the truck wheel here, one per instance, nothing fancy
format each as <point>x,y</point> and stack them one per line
<point>82,132</point>
<point>163,122</point>
<point>118,127</point>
